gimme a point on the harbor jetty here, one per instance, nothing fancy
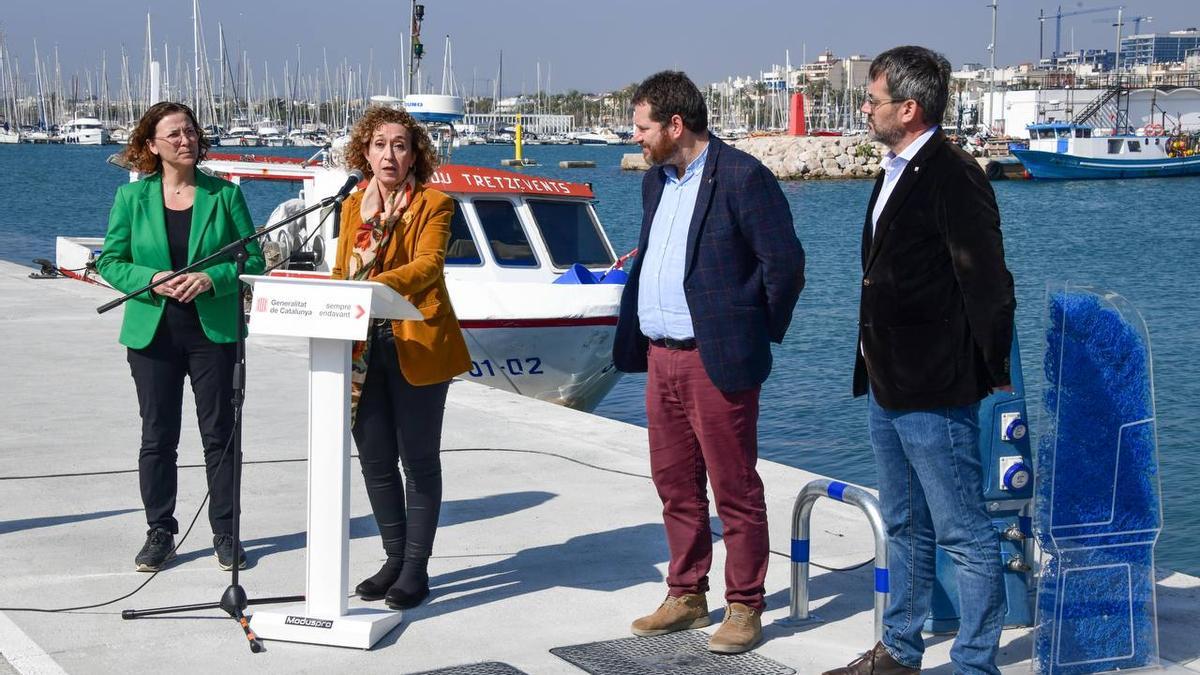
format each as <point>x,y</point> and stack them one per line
<point>551,533</point>
<point>803,157</point>
<point>816,157</point>
<point>828,157</point>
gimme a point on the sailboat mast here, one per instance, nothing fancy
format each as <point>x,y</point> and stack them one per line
<point>196,99</point>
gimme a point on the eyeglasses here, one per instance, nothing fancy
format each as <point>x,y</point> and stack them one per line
<point>872,104</point>
<point>176,137</point>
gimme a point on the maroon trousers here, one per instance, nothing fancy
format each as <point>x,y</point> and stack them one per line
<point>695,429</point>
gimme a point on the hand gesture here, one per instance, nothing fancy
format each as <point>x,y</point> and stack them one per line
<point>189,285</point>
<point>167,289</point>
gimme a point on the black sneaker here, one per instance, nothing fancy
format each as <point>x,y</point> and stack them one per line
<point>158,549</point>
<point>223,547</point>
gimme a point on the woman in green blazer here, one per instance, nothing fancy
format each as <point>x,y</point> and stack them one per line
<point>186,327</point>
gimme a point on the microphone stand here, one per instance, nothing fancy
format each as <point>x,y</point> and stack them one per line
<point>233,600</point>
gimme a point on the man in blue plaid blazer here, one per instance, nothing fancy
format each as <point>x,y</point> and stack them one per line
<point>717,276</point>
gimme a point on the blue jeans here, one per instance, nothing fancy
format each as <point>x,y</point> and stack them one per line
<point>931,494</point>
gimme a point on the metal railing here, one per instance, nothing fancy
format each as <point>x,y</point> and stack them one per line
<point>801,514</point>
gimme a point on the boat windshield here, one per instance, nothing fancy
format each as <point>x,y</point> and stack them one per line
<point>502,227</point>
<point>570,233</point>
<point>461,250</point>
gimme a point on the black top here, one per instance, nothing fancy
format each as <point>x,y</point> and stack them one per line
<point>179,228</point>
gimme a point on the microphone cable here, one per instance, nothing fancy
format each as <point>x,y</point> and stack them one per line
<point>545,453</point>
<point>182,538</point>
<point>717,533</point>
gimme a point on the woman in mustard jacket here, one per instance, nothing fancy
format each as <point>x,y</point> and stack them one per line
<point>185,327</point>
<point>395,232</point>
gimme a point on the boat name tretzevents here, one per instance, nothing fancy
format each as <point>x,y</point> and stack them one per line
<point>476,181</point>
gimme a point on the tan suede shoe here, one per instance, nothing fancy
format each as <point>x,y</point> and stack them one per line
<point>739,632</point>
<point>675,613</point>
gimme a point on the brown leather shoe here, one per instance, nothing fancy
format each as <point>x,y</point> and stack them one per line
<point>875,662</point>
<point>675,613</point>
<point>740,632</point>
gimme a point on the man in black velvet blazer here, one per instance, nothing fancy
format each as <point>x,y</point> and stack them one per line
<point>935,332</point>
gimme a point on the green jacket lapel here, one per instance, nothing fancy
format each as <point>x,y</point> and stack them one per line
<point>204,206</point>
<point>153,221</point>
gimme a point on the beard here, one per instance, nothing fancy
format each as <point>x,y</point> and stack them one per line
<point>662,151</point>
<point>889,136</point>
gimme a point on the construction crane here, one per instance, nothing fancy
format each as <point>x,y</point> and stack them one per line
<point>1058,17</point>
<point>1136,20</point>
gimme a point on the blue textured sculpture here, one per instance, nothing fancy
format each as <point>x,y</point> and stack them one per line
<point>1098,511</point>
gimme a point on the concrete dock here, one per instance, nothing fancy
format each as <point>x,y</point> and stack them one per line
<point>550,536</point>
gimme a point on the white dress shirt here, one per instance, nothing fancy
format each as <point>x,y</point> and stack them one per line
<point>893,165</point>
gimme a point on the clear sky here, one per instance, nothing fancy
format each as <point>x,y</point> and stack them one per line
<point>595,45</point>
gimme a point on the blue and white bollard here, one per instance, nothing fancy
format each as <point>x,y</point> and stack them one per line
<point>801,515</point>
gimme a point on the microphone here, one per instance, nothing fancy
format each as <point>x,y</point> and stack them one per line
<point>352,180</point>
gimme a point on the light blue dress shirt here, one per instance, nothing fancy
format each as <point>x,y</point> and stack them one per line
<point>662,307</point>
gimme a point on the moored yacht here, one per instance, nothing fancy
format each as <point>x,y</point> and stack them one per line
<point>85,131</point>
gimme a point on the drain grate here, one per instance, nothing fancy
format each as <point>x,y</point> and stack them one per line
<point>486,668</point>
<point>682,653</point>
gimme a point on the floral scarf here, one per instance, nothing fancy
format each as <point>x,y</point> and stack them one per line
<point>380,210</point>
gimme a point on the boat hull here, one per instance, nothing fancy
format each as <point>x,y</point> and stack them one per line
<point>567,362</point>
<point>1059,166</point>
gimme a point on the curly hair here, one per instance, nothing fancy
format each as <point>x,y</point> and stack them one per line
<point>360,138</point>
<point>138,154</point>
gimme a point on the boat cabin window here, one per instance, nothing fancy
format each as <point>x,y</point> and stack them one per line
<point>461,250</point>
<point>1083,133</point>
<point>502,227</point>
<point>1064,133</point>
<point>1135,146</point>
<point>570,233</point>
<point>1114,146</point>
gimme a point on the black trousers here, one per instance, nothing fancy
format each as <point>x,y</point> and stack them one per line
<point>181,349</point>
<point>398,423</point>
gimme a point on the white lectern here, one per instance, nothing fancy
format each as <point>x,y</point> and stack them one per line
<point>332,314</point>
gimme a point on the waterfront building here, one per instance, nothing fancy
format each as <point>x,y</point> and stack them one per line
<point>537,124</point>
<point>1014,110</point>
<point>1151,48</point>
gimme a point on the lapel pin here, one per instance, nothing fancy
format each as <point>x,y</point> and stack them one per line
<point>916,169</point>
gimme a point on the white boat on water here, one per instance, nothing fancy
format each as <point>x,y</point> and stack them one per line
<point>85,131</point>
<point>270,134</point>
<point>308,136</point>
<point>522,266</point>
<point>240,136</point>
<point>600,136</point>
<point>9,136</point>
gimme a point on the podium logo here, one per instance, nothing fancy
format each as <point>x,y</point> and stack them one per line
<point>260,305</point>
<point>307,622</point>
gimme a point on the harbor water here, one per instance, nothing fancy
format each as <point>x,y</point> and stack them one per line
<point>1138,238</point>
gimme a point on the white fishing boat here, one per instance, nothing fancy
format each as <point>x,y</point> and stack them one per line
<point>85,131</point>
<point>534,280</point>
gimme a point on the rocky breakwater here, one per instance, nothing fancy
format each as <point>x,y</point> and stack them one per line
<point>814,157</point>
